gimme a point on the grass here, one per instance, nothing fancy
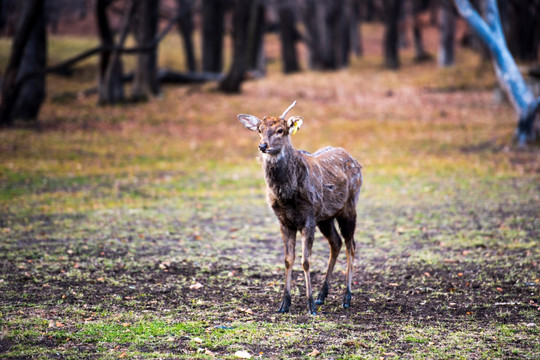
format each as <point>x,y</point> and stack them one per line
<point>141,231</point>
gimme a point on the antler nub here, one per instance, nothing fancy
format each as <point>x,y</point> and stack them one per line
<point>288,109</point>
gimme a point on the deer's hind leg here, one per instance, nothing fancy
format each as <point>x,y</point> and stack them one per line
<point>347,226</point>
<point>328,229</point>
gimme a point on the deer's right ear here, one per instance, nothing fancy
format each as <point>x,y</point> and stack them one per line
<point>250,122</point>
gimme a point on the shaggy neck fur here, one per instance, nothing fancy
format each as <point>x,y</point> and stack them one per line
<point>284,172</point>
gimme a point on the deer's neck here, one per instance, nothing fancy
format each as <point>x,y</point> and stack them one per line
<point>283,172</point>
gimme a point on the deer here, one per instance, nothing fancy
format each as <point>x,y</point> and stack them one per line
<point>307,191</point>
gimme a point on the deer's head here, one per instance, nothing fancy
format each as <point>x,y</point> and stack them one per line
<point>274,130</point>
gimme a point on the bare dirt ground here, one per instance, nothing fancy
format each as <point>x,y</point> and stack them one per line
<point>141,231</point>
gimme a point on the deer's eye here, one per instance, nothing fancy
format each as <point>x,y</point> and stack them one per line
<point>280,131</point>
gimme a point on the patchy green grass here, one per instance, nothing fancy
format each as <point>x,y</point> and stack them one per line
<point>141,231</point>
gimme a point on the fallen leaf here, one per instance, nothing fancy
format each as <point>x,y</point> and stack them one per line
<point>314,353</point>
<point>196,286</point>
<point>122,355</point>
<point>242,355</point>
<point>59,324</point>
<point>198,340</point>
<point>349,343</point>
<point>164,265</point>
<point>247,311</point>
<point>499,289</point>
<point>209,353</point>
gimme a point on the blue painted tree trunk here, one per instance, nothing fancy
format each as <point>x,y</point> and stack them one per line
<point>508,74</point>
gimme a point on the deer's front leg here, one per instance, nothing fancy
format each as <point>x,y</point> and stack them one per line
<point>308,233</point>
<point>289,243</point>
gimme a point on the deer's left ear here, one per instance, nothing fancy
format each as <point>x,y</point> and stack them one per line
<point>294,123</point>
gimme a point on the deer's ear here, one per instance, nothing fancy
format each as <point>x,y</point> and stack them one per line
<point>250,122</point>
<point>294,123</point>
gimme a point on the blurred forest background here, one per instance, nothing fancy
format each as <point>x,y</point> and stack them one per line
<point>133,221</point>
<point>314,35</point>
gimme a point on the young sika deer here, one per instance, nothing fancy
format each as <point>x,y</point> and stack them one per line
<point>308,190</point>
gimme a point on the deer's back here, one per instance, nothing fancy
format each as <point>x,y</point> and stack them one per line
<point>336,180</point>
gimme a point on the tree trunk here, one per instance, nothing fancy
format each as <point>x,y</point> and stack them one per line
<point>213,13</point>
<point>327,33</point>
<point>233,81</point>
<point>339,23</point>
<point>370,10</point>
<point>32,91</point>
<point>255,38</point>
<point>185,25</point>
<point>145,84</point>
<point>29,41</point>
<point>392,9</point>
<point>110,85</point>
<point>524,29</point>
<point>420,53</point>
<point>355,28</point>
<point>510,78</point>
<point>317,34</point>
<point>289,36</point>
<point>448,33</point>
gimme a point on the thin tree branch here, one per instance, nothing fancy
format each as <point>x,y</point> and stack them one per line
<point>96,50</point>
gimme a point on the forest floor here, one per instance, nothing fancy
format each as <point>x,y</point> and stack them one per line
<point>141,230</point>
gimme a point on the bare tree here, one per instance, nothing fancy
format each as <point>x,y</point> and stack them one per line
<point>232,82</point>
<point>447,33</point>
<point>524,28</point>
<point>327,32</point>
<point>24,98</point>
<point>355,26</point>
<point>289,36</point>
<point>491,33</point>
<point>419,6</point>
<point>392,10</point>
<point>213,13</point>
<point>106,86</point>
<point>255,38</point>
<point>186,27</point>
<point>146,83</point>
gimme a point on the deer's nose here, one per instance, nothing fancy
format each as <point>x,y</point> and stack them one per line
<point>263,146</point>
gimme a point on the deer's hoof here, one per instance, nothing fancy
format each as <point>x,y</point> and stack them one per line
<point>285,304</point>
<point>322,295</point>
<point>347,299</point>
<point>311,307</point>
